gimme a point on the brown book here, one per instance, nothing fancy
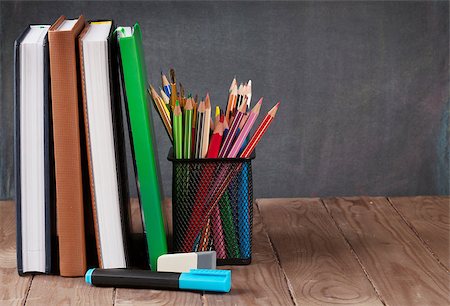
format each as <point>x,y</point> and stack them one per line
<point>64,76</point>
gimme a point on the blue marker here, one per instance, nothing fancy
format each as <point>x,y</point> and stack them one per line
<point>196,279</point>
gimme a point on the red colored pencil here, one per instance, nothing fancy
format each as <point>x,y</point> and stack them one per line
<point>216,140</point>
<point>262,128</point>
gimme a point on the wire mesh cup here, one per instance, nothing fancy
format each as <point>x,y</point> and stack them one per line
<point>213,207</point>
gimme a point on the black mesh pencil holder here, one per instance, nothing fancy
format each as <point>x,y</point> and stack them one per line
<point>212,202</point>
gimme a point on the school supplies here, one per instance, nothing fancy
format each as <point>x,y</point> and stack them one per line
<point>262,128</point>
<point>69,145</point>
<point>33,153</point>
<point>184,262</point>
<point>135,85</point>
<point>195,279</point>
<point>213,199</point>
<point>104,140</point>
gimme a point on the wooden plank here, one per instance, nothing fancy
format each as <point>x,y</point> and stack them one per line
<point>429,218</point>
<point>57,290</point>
<point>260,283</point>
<point>13,288</point>
<point>155,297</point>
<point>315,257</point>
<point>401,269</point>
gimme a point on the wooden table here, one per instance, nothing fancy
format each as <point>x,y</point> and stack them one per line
<point>360,250</point>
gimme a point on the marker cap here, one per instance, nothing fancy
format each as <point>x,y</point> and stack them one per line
<point>208,280</point>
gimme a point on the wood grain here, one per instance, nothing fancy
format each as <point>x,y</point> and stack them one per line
<point>401,269</point>
<point>429,218</point>
<point>155,297</point>
<point>13,288</point>
<point>260,283</point>
<point>315,257</point>
<point>57,290</point>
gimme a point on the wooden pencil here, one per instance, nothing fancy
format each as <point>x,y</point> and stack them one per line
<point>232,132</point>
<point>248,94</point>
<point>216,141</point>
<point>262,128</point>
<point>245,130</point>
<point>173,89</point>
<point>199,129</point>
<point>159,105</point>
<point>165,84</point>
<point>232,95</point>
<point>207,120</point>
<point>187,141</point>
<point>178,130</point>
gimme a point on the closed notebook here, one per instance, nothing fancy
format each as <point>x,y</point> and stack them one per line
<point>67,140</point>
<point>104,141</point>
<point>144,150</point>
<point>33,153</point>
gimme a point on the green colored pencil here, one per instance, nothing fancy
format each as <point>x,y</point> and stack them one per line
<point>178,131</point>
<point>231,241</point>
<point>188,115</point>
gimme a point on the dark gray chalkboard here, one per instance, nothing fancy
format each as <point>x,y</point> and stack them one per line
<point>364,86</point>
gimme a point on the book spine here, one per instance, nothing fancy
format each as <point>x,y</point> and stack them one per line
<point>67,150</point>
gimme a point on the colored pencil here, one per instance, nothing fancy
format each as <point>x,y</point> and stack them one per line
<point>173,90</point>
<point>187,142</point>
<point>225,129</point>
<point>206,127</point>
<point>166,98</point>
<point>216,140</point>
<point>178,130</point>
<point>226,147</point>
<point>245,130</point>
<point>232,95</point>
<point>194,124</point>
<point>165,85</point>
<point>262,128</point>
<point>199,129</point>
<point>248,94</point>
<point>159,105</point>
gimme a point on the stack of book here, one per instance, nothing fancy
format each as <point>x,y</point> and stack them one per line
<point>79,88</point>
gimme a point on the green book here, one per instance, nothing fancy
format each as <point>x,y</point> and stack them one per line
<point>145,156</point>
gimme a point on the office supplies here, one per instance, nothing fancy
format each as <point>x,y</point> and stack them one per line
<point>195,279</point>
<point>231,105</point>
<point>173,89</point>
<point>262,128</point>
<point>199,129</point>
<point>184,262</point>
<point>187,141</point>
<point>232,132</point>
<point>162,111</point>
<point>206,127</point>
<point>165,84</point>
<point>145,158</point>
<point>68,141</point>
<point>178,130</point>
<point>33,152</point>
<point>166,99</point>
<point>216,140</point>
<point>245,130</point>
<point>248,95</point>
<point>229,227</point>
<point>213,152</point>
<point>194,125</point>
<point>104,141</point>
<point>225,129</point>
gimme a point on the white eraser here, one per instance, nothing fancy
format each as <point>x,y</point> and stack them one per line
<point>184,262</point>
